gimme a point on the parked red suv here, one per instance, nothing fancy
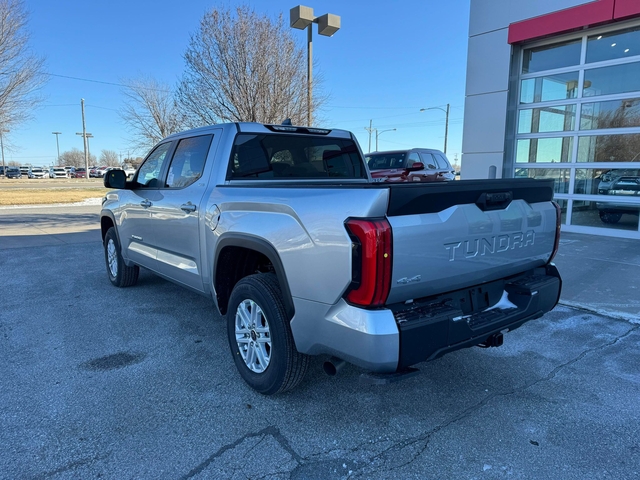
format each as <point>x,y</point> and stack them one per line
<point>414,165</point>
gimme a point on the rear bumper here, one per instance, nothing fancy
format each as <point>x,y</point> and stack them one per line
<point>431,330</point>
<point>394,338</point>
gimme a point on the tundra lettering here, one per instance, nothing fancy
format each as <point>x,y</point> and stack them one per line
<point>495,244</point>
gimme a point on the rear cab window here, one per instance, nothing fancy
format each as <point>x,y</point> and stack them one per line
<point>291,157</point>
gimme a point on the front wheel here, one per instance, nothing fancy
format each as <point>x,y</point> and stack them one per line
<point>120,274</point>
<point>260,337</point>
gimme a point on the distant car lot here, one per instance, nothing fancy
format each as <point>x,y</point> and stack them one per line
<point>139,383</point>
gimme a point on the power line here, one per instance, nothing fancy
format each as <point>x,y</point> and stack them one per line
<point>80,79</point>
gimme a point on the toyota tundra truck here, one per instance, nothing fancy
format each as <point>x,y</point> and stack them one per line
<point>303,254</point>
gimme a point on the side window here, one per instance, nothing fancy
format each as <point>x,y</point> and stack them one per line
<point>413,158</point>
<point>442,162</point>
<point>149,171</point>
<point>187,163</point>
<point>428,160</point>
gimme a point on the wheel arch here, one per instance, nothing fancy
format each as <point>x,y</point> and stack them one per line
<point>249,252</point>
<point>107,220</point>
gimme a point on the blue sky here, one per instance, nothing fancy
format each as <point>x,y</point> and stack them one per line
<point>389,60</point>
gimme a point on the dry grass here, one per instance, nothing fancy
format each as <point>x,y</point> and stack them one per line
<point>41,196</point>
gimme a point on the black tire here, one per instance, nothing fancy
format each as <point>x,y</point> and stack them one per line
<point>124,276</point>
<point>610,217</point>
<point>285,367</point>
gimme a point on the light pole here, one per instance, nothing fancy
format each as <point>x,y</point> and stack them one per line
<point>301,17</point>
<point>446,123</point>
<point>4,168</point>
<point>380,133</point>
<point>57,145</point>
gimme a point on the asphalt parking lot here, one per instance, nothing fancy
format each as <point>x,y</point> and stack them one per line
<point>100,382</point>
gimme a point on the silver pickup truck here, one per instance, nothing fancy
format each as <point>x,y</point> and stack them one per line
<point>283,228</point>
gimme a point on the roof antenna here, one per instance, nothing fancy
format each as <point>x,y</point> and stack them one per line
<point>287,122</point>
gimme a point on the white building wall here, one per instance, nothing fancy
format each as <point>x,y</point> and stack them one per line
<point>488,63</point>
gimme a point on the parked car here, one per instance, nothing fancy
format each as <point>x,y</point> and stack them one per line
<point>100,171</point>
<point>624,183</point>
<point>414,165</point>
<point>12,172</point>
<point>38,172</point>
<point>80,173</point>
<point>282,227</point>
<point>129,170</point>
<point>58,172</point>
<point>25,171</point>
<point>2,168</point>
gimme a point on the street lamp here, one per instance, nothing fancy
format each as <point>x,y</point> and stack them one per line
<point>380,133</point>
<point>301,17</point>
<point>446,123</point>
<point>57,144</point>
<point>4,168</point>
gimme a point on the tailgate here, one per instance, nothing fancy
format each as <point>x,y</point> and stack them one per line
<point>465,233</point>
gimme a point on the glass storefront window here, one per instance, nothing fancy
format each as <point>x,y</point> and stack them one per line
<point>549,57</point>
<point>609,46</point>
<point>544,150</point>
<point>613,114</point>
<point>605,215</point>
<point>547,119</point>
<point>609,80</point>
<point>587,180</point>
<point>594,105</point>
<point>609,148</point>
<point>559,175</point>
<point>551,87</point>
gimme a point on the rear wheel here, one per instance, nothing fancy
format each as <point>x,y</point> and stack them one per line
<point>119,274</point>
<point>260,336</point>
<point>610,217</point>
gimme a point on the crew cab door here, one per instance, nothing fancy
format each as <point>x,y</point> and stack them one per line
<point>135,227</point>
<point>176,213</point>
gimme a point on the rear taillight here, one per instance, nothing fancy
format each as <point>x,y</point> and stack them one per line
<point>556,243</point>
<point>371,260</point>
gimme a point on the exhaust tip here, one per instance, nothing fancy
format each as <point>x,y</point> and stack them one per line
<point>332,366</point>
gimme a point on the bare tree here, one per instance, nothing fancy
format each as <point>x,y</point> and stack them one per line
<point>75,158</point>
<point>109,158</point>
<point>150,111</point>
<point>20,71</point>
<point>244,67</point>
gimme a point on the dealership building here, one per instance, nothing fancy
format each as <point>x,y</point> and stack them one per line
<point>553,91</point>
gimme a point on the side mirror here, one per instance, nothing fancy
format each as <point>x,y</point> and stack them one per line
<point>115,179</point>
<point>416,166</point>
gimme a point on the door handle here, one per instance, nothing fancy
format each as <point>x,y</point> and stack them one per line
<point>188,207</point>
<point>146,203</point>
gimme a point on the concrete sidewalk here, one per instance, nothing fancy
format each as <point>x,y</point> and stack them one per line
<point>600,274</point>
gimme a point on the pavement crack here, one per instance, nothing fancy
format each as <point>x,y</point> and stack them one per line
<point>271,430</point>
<point>426,437</point>
<point>71,466</point>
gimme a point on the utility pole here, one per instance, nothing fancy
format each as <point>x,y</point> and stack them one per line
<point>84,136</point>
<point>370,129</point>
<point>57,145</point>
<point>446,130</point>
